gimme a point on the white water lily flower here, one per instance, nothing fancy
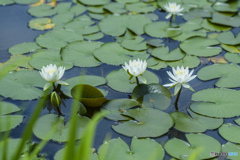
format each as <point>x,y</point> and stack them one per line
<point>173,9</point>
<point>52,74</point>
<point>180,76</point>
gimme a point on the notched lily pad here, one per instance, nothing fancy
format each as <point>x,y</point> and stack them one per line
<point>230,132</point>
<point>228,38</point>
<point>41,24</point>
<point>164,54</point>
<point>187,61</point>
<point>23,48</point>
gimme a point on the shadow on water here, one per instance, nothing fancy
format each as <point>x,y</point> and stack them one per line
<point>14,30</point>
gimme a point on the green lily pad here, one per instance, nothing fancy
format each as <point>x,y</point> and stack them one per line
<point>197,13</point>
<point>21,85</point>
<point>155,42</point>
<point>232,57</point>
<point>119,80</point>
<point>86,79</point>
<point>94,36</point>
<point>140,149</point>
<point>181,149</point>
<point>88,95</point>
<point>164,54</point>
<point>232,149</point>
<point>206,24</point>
<point>117,106</point>
<point>78,9</point>
<point>228,38</point>
<point>26,1</point>
<point>126,1</point>
<point>62,18</point>
<point>196,123</point>
<point>161,30</point>
<point>115,8</point>
<point>7,121</point>
<point>136,44</point>
<point>6,2</point>
<point>225,7</point>
<point>159,65</point>
<point>140,7</point>
<point>147,123</point>
<point>41,24</point>
<point>216,102</point>
<point>58,38</point>
<point>187,61</point>
<point>42,10</point>
<point>228,74</point>
<point>114,54</point>
<point>22,48</point>
<point>221,19</point>
<point>50,56</point>
<point>81,54</point>
<point>116,25</point>
<point>63,7</point>
<point>199,46</point>
<point>152,95</point>
<point>230,132</point>
<point>45,124</point>
<point>94,3</point>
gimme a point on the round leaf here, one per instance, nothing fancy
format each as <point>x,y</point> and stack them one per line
<point>24,48</point>
<point>230,132</point>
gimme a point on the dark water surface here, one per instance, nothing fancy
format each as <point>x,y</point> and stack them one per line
<point>14,30</point>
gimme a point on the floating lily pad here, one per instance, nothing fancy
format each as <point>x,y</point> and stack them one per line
<point>161,30</point>
<point>187,61</point>
<point>26,1</point>
<point>88,95</point>
<point>62,18</point>
<point>86,79</point>
<point>140,7</point>
<point>232,57</point>
<point>58,38</point>
<point>114,54</point>
<point>225,7</point>
<point>228,38</point>
<point>6,2</point>
<point>233,150</point>
<point>119,80</point>
<point>45,124</point>
<point>42,10</point>
<point>78,9</point>
<point>116,25</point>
<point>181,149</point>
<point>230,132</point>
<point>196,123</point>
<point>147,123</point>
<point>94,36</point>
<point>221,19</point>
<point>140,149</point>
<point>206,24</point>
<point>81,54</point>
<point>228,74</point>
<point>231,49</point>
<point>21,85</point>
<point>45,57</point>
<point>117,8</point>
<point>117,106</point>
<point>216,102</point>
<point>197,13</point>
<point>136,44</point>
<point>164,54</point>
<point>7,121</point>
<point>160,65</point>
<point>199,46</point>
<point>24,48</point>
<point>94,3</point>
<point>63,7</point>
<point>126,1</point>
<point>155,42</point>
<point>41,24</point>
<point>152,95</point>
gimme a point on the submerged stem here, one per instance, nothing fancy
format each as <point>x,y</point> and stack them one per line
<point>176,101</point>
<point>137,81</point>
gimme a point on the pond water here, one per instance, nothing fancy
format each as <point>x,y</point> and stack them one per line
<point>14,30</point>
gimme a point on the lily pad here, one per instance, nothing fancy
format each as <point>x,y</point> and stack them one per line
<point>117,106</point>
<point>216,102</point>
<point>62,18</point>
<point>232,57</point>
<point>114,54</point>
<point>6,2</point>
<point>147,123</point>
<point>161,30</point>
<point>140,149</point>
<point>187,61</point>
<point>181,149</point>
<point>228,74</point>
<point>196,123</point>
<point>230,132</point>
<point>88,95</point>
<point>197,13</point>
<point>42,10</point>
<point>45,124</point>
<point>136,44</point>
<point>50,56</point>
<point>119,80</point>
<point>7,121</point>
<point>23,48</point>
<point>86,79</point>
<point>21,85</point>
<point>199,46</point>
<point>228,38</point>
<point>152,95</point>
<point>232,149</point>
<point>94,3</point>
<point>164,54</point>
<point>26,1</point>
<point>41,24</point>
<point>81,54</point>
<point>94,36</point>
<point>116,8</point>
<point>58,38</point>
<point>206,24</point>
<point>221,19</point>
<point>225,7</point>
<point>140,7</point>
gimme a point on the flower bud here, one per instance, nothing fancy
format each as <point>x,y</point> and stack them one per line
<point>55,99</point>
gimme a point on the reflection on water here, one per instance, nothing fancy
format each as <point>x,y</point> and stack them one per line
<point>13,30</point>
